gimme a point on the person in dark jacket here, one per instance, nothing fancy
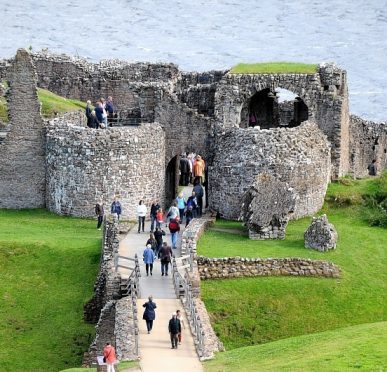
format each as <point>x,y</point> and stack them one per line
<point>165,258</point>
<point>193,202</point>
<point>116,208</point>
<point>153,213</point>
<point>199,192</point>
<point>188,215</point>
<point>159,233</point>
<point>99,114</point>
<point>149,313</point>
<point>372,169</point>
<point>99,211</point>
<point>109,107</point>
<point>174,328</point>
<point>184,170</point>
<point>89,116</point>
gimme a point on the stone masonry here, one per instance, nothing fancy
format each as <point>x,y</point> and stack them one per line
<point>321,235</point>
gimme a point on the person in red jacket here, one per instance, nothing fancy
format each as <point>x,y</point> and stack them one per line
<point>109,355</point>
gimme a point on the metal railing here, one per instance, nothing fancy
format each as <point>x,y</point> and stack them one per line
<point>183,290</point>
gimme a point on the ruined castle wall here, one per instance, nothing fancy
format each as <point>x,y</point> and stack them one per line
<point>325,94</point>
<point>368,141</point>
<point>85,165</point>
<point>185,130</point>
<point>22,165</point>
<point>299,156</point>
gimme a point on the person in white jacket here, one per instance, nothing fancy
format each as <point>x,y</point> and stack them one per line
<point>141,213</point>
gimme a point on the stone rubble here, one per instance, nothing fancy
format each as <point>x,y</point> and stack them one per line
<point>321,235</point>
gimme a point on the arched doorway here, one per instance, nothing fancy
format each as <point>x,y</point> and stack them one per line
<point>279,108</point>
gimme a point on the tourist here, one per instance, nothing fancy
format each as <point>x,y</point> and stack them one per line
<point>153,214</point>
<point>184,170</point>
<point>252,120</point>
<point>148,258</point>
<point>173,212</point>
<point>99,211</point>
<point>188,215</point>
<point>182,324</point>
<point>159,218</point>
<point>372,169</point>
<point>193,203</point>
<point>116,208</point>
<point>199,192</point>
<point>109,357</point>
<point>99,114</point>
<point>198,168</point>
<point>165,258</point>
<point>89,116</point>
<point>104,113</point>
<point>95,122</point>
<point>181,203</point>
<point>174,328</point>
<point>174,228</point>
<point>159,233</point>
<point>149,313</point>
<point>141,213</point>
<point>191,157</point>
<point>152,241</point>
<point>110,109</point>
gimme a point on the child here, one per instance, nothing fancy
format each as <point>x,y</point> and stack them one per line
<point>159,218</point>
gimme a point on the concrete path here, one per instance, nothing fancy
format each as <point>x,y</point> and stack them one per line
<point>155,348</point>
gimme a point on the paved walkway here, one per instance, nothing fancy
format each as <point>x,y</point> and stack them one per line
<point>155,348</point>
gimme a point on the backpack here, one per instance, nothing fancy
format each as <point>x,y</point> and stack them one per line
<point>173,225</point>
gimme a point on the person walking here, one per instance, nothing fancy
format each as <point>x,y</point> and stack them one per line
<point>109,357</point>
<point>184,170</point>
<point>173,212</point>
<point>153,243</point>
<point>99,211</point>
<point>198,168</point>
<point>188,215</point>
<point>141,213</point>
<point>193,203</point>
<point>199,193</point>
<point>149,313</point>
<point>116,208</point>
<point>153,214</point>
<point>174,328</point>
<point>159,218</point>
<point>159,233</point>
<point>174,228</point>
<point>181,203</point>
<point>182,324</point>
<point>148,257</point>
<point>165,258</point>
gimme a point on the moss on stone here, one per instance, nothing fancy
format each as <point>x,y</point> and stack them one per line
<point>275,68</point>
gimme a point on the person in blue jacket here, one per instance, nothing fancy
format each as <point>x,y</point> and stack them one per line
<point>116,208</point>
<point>149,313</point>
<point>149,258</point>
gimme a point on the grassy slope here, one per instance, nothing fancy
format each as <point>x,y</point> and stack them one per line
<point>48,265</point>
<point>274,68</point>
<point>358,347</point>
<point>51,103</point>
<point>257,310</point>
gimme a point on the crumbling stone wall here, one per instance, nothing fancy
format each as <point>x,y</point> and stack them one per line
<point>22,152</point>
<point>237,267</point>
<point>368,141</point>
<point>85,165</point>
<point>298,156</point>
<point>325,94</point>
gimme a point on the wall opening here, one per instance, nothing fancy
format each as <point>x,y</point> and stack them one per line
<point>274,109</point>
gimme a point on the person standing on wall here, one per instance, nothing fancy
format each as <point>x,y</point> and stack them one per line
<point>372,168</point>
<point>199,192</point>
<point>99,211</point>
<point>110,110</point>
<point>109,357</point>
<point>141,213</point>
<point>149,258</point>
<point>174,228</point>
<point>116,208</point>
<point>174,328</point>
<point>153,214</point>
<point>89,116</point>
<point>165,258</point>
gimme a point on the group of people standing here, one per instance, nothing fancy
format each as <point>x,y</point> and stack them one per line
<point>115,210</point>
<point>101,115</point>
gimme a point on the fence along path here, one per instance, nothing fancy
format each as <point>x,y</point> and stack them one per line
<point>155,348</point>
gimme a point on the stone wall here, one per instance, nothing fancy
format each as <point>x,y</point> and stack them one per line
<point>237,267</point>
<point>368,141</point>
<point>299,156</point>
<point>22,165</point>
<point>85,165</point>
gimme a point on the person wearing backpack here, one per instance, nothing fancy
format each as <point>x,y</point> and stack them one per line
<point>174,228</point>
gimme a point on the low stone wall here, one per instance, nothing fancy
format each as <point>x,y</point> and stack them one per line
<point>193,232</point>
<point>237,267</point>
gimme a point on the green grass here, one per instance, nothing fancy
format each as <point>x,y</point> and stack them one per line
<point>257,310</point>
<point>48,265</point>
<point>274,68</point>
<point>51,104</point>
<point>358,347</point>
<point>121,367</point>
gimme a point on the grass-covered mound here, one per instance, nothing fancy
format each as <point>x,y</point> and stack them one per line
<point>51,104</point>
<point>358,347</point>
<point>48,265</point>
<point>274,68</point>
<point>256,310</point>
